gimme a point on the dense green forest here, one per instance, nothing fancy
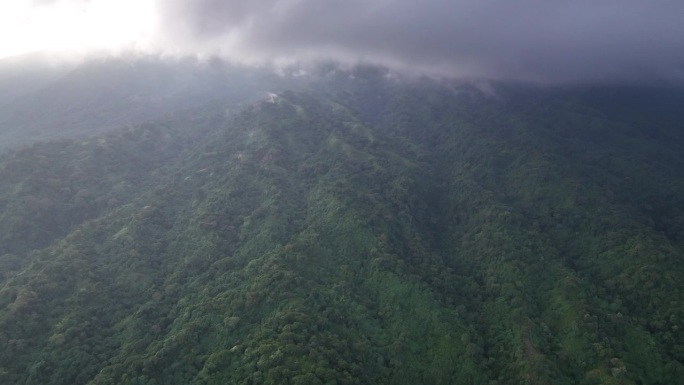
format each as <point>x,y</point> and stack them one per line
<point>368,230</point>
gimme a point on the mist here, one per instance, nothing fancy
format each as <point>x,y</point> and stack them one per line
<point>549,42</point>
<point>604,41</point>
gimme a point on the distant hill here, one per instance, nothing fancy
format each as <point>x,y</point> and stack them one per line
<point>24,74</point>
<point>369,230</point>
<point>43,101</point>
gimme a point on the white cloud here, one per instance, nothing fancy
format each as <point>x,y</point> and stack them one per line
<point>533,40</point>
<point>73,25</point>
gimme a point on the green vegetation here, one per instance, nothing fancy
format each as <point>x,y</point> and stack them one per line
<point>366,232</point>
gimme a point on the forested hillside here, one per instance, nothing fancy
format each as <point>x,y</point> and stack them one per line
<point>367,231</point>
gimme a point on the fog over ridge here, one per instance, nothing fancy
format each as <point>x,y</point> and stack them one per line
<point>552,41</point>
<point>556,41</point>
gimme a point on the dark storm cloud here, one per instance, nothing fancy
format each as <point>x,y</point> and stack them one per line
<point>544,40</point>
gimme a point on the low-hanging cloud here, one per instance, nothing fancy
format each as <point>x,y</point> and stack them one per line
<point>530,40</point>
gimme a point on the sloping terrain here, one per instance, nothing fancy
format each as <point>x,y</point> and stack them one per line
<point>41,103</point>
<point>370,232</point>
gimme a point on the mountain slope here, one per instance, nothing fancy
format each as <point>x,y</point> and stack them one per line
<point>100,95</point>
<point>375,232</point>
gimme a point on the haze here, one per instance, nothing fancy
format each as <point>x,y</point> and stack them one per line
<point>600,41</point>
<point>75,26</point>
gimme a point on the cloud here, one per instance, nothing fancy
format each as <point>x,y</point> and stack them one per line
<point>76,26</point>
<point>537,40</point>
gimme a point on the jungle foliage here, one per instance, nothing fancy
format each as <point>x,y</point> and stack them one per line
<point>369,231</point>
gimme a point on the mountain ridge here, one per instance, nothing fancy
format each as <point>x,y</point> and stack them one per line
<point>384,232</point>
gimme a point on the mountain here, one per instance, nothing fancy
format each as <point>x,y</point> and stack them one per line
<point>24,74</point>
<point>43,101</point>
<point>361,230</point>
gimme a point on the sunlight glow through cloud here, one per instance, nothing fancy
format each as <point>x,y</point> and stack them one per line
<point>75,25</point>
<point>531,40</point>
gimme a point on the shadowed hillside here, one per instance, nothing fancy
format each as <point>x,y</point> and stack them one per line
<point>369,231</point>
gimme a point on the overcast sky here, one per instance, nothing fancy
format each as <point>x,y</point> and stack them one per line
<point>537,40</point>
